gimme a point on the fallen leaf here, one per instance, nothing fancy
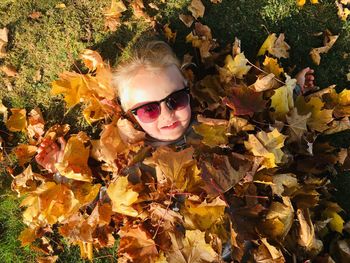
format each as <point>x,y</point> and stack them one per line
<point>275,46</point>
<point>271,65</point>
<point>113,15</point>
<point>128,133</point>
<point>296,125</point>
<point>35,15</point>
<point>10,71</point>
<point>235,67</point>
<point>328,43</point>
<point>196,8</point>
<point>213,135</point>
<point>3,41</point>
<point>169,34</point>
<point>122,197</point>
<point>186,19</point>
<point>24,153</point>
<point>266,82</point>
<point>17,121</point>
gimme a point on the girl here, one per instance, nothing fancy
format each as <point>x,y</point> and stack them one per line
<point>153,91</point>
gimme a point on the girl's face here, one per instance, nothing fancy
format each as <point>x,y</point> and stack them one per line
<point>147,86</point>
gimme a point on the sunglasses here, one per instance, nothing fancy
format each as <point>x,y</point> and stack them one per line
<point>149,112</point>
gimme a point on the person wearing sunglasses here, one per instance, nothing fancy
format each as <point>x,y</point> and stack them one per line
<point>153,91</point>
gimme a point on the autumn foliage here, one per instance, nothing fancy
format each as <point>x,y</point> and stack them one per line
<point>255,186</point>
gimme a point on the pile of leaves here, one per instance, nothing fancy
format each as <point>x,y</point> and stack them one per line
<point>254,186</point>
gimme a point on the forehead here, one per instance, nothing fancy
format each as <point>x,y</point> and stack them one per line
<point>153,85</point>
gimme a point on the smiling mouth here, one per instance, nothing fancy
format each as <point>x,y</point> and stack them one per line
<point>171,126</point>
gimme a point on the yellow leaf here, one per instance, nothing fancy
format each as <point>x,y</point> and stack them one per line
<point>319,117</point>
<point>122,197</point>
<point>60,6</point>
<point>271,65</point>
<point>213,135</point>
<point>24,153</point>
<point>301,2</point>
<point>202,215</point>
<point>297,125</point>
<point>315,52</point>
<point>282,101</point>
<point>27,236</point>
<point>266,82</point>
<point>192,248</point>
<point>196,8</point>
<point>172,166</point>
<point>91,59</point>
<point>275,46</point>
<point>237,66</point>
<point>113,14</point>
<point>17,121</point>
<point>169,34</point>
<point>267,145</point>
<point>337,222</point>
<point>314,1</point>
<point>72,86</point>
<point>74,162</point>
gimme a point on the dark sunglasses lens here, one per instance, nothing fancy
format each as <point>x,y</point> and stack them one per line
<point>148,113</point>
<point>178,100</point>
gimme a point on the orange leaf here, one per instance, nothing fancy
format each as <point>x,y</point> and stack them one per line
<point>17,121</point>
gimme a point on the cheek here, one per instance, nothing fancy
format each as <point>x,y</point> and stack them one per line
<point>184,114</point>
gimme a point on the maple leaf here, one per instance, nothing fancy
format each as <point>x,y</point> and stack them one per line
<point>24,153</point>
<point>282,100</point>
<point>297,124</point>
<point>128,133</point>
<point>137,245</point>
<point>164,217</point>
<point>266,82</point>
<point>213,135</point>
<point>28,235</point>
<point>186,19</point>
<point>268,253</point>
<point>238,124</point>
<point>74,161</point>
<point>275,46</point>
<point>196,8</point>
<point>72,86</point>
<point>49,203</point>
<point>122,197</point>
<point>113,15</point>
<point>234,67</point>
<point>279,219</point>
<point>36,124</point>
<point>91,59</point>
<point>245,101</point>
<point>169,34</point>
<point>319,117</point>
<point>328,43</point>
<point>191,249</point>
<point>271,65</point>
<point>307,237</point>
<point>267,145</point>
<point>3,41</point>
<point>26,181</point>
<point>284,184</point>
<point>9,70</point>
<point>17,121</point>
<point>202,215</point>
<point>343,11</point>
<point>85,193</point>
<point>96,110</point>
<point>172,166</point>
<point>202,40</point>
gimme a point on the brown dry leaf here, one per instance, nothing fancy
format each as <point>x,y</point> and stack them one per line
<point>9,70</point>
<point>17,121</point>
<point>101,215</point>
<point>196,8</point>
<point>113,15</point>
<point>191,249</point>
<point>245,101</point>
<point>279,219</point>
<point>36,124</point>
<point>296,125</point>
<point>238,124</point>
<point>268,253</point>
<point>284,184</point>
<point>338,126</point>
<point>275,46</point>
<point>3,41</point>
<point>186,19</point>
<point>328,43</point>
<point>213,135</point>
<point>49,203</point>
<point>266,82</point>
<point>91,59</point>
<point>307,238</point>
<point>26,181</point>
<point>216,1</point>
<point>137,245</point>
<point>74,161</point>
<point>122,197</point>
<point>128,133</point>
<point>267,145</point>
<point>24,153</point>
<point>47,259</point>
<point>202,215</point>
<point>139,10</point>
<point>172,166</point>
<point>164,217</point>
<point>35,15</point>
<point>28,235</point>
<point>3,111</point>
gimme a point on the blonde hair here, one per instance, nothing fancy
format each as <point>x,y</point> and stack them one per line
<point>152,56</point>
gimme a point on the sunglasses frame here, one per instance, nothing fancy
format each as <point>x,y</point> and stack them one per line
<point>185,89</point>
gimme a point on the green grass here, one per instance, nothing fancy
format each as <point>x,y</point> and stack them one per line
<point>51,44</point>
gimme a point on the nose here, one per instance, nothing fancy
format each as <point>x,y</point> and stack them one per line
<point>165,112</point>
